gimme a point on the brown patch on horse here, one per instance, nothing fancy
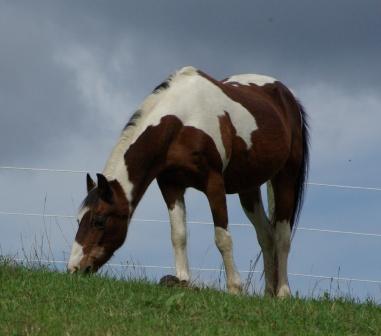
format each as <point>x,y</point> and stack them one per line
<point>226,129</point>
<point>271,142</point>
<point>186,153</point>
<point>145,158</point>
<point>280,148</point>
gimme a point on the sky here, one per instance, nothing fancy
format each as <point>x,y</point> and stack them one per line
<point>73,72</point>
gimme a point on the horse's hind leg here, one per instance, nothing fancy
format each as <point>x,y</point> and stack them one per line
<point>251,202</point>
<point>284,196</point>
<point>174,198</point>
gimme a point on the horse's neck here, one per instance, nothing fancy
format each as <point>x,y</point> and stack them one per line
<point>119,164</point>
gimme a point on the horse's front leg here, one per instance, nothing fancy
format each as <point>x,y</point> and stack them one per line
<point>215,192</point>
<point>174,198</point>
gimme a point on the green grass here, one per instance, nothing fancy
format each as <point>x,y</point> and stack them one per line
<point>42,302</point>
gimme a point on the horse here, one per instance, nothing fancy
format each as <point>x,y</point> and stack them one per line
<point>219,137</point>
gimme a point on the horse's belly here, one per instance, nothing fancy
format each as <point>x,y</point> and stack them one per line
<point>238,179</point>
<point>248,169</point>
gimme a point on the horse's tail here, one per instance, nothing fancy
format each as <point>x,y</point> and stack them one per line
<point>270,202</point>
<point>300,186</point>
<point>301,178</point>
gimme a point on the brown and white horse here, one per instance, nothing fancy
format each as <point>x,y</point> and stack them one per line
<point>220,137</point>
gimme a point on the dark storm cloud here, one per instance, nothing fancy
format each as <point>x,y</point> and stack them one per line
<point>327,40</point>
<point>299,42</point>
<point>331,40</point>
<point>38,102</point>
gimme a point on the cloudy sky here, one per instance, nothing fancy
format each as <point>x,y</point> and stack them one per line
<point>72,73</point>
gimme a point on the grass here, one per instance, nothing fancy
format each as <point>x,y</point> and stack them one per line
<point>42,302</point>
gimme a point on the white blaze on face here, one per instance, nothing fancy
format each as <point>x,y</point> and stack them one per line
<point>75,257</point>
<point>76,254</point>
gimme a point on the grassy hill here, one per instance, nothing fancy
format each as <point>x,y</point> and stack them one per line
<point>41,302</point>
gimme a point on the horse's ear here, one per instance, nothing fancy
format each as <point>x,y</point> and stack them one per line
<point>89,183</point>
<point>105,191</point>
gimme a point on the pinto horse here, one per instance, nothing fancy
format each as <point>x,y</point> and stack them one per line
<point>220,137</point>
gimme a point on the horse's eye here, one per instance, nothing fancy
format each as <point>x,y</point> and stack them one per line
<point>99,222</point>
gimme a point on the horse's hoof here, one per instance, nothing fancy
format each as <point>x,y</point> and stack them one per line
<point>284,292</point>
<point>235,289</point>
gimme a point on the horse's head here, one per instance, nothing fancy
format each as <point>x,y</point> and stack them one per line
<point>102,225</point>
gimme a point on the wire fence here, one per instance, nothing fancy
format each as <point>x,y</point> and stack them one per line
<point>52,170</point>
<point>199,269</point>
<point>300,228</point>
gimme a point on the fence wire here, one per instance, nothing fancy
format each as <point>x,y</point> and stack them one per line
<point>300,228</point>
<point>52,170</point>
<point>199,269</point>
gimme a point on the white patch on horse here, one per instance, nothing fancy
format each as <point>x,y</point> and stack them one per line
<point>198,103</point>
<point>76,256</point>
<point>264,235</point>
<point>247,79</point>
<point>282,246</point>
<point>115,168</point>
<point>225,245</point>
<point>179,239</point>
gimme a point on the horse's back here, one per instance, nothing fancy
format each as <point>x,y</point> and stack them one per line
<point>200,104</point>
<point>244,123</point>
